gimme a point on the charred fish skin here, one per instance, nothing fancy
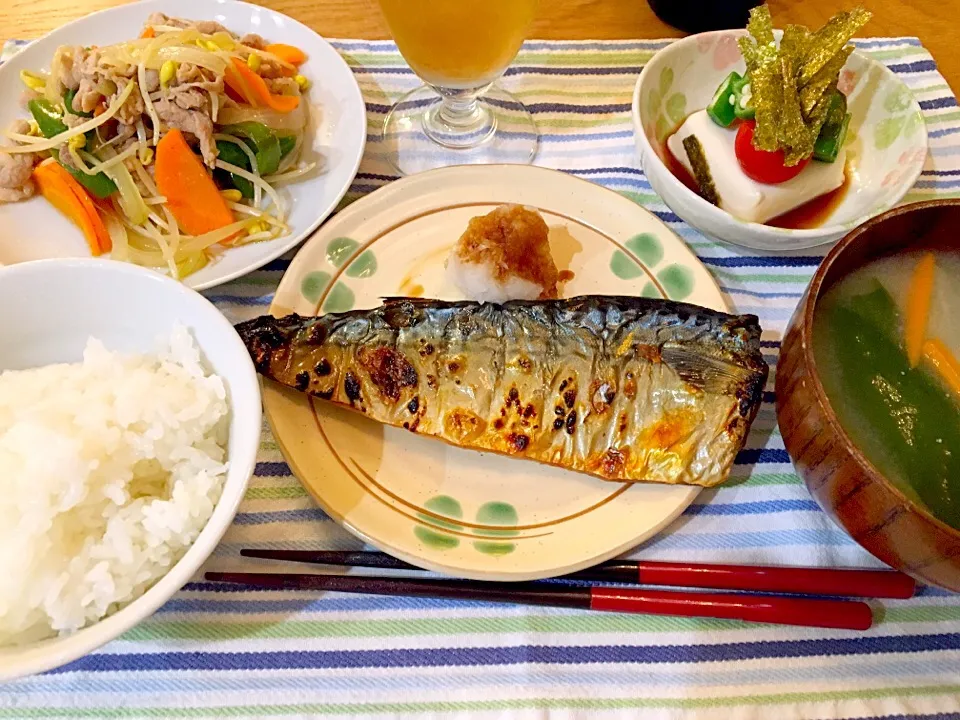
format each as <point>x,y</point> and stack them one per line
<point>623,388</point>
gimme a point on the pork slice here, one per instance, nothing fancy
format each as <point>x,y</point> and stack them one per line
<point>254,41</point>
<point>133,107</point>
<point>16,181</point>
<point>190,98</point>
<point>69,69</point>
<point>194,122</point>
<point>87,97</point>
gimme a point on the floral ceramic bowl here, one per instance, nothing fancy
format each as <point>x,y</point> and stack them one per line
<point>886,144</point>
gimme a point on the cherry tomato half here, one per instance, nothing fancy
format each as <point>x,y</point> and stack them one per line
<point>763,166</point>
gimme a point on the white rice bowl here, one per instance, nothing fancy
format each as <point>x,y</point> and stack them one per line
<point>110,469</point>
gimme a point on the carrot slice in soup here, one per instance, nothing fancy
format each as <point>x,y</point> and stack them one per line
<point>69,197</point>
<point>944,362</point>
<point>918,307</point>
<point>191,194</point>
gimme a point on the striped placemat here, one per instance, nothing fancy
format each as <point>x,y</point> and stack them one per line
<point>209,652</point>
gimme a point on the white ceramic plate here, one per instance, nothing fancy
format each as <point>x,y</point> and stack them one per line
<point>470,514</point>
<point>33,229</point>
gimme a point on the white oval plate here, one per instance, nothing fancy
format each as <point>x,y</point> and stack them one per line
<point>33,230</point>
<point>465,513</point>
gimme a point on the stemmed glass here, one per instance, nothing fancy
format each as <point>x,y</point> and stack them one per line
<point>459,48</point>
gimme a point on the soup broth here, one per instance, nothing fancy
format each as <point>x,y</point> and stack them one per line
<point>905,419</point>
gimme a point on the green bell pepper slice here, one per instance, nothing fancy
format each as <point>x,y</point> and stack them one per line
<point>287,144</point>
<point>50,121</point>
<point>266,146</point>
<point>99,184</point>
<point>47,116</point>
<point>230,153</point>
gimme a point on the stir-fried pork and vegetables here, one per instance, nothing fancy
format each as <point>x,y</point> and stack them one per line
<point>165,148</point>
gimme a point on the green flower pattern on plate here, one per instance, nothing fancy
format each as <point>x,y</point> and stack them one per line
<point>676,108</point>
<point>436,540</point>
<point>647,247</point>
<point>651,291</point>
<point>675,105</point>
<point>653,101</point>
<point>364,266</point>
<point>341,297</point>
<point>890,128</point>
<point>666,80</point>
<point>677,280</point>
<point>624,267</point>
<point>496,513</point>
<point>340,249</point>
<point>313,285</point>
<point>449,511</point>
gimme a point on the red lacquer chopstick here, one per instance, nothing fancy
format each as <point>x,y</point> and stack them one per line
<point>797,580</point>
<point>836,614</point>
<point>805,581</point>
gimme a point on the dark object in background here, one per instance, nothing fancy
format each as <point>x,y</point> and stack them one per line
<point>695,16</point>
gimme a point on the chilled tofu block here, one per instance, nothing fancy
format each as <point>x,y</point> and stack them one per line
<point>740,196</point>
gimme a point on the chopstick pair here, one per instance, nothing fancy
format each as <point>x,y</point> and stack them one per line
<point>810,612</point>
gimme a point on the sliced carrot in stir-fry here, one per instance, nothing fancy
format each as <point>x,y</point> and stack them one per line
<point>944,362</point>
<point>148,33</point>
<point>252,88</point>
<point>191,193</point>
<point>69,197</point>
<point>918,307</point>
<point>287,53</point>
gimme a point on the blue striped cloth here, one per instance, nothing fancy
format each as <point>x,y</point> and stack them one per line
<point>216,652</point>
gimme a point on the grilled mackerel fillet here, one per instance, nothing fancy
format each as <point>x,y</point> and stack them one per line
<point>623,388</point>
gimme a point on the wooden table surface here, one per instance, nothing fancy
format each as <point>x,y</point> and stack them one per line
<point>934,22</point>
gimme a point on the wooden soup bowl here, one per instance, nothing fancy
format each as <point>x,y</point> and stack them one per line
<point>844,483</point>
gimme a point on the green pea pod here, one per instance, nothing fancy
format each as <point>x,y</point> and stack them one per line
<point>48,117</point>
<point>907,437</point>
<point>230,153</point>
<point>287,144</point>
<point>266,146</point>
<point>68,97</point>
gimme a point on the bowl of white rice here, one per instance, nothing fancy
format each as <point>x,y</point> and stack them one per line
<point>129,426</point>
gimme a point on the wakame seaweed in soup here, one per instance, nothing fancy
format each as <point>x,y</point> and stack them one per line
<point>905,417</point>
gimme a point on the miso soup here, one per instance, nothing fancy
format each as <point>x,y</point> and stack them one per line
<point>904,417</point>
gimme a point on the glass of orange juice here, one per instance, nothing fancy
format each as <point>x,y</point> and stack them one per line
<point>459,48</point>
